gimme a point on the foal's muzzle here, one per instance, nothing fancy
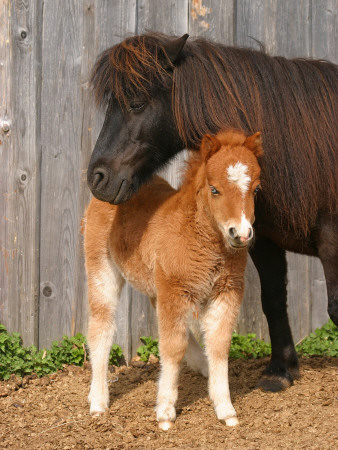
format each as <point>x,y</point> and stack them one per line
<point>239,239</point>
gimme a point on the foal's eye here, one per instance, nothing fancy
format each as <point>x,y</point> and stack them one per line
<point>258,188</point>
<point>136,106</point>
<point>214,191</point>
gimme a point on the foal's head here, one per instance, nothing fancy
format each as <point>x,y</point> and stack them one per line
<point>232,177</point>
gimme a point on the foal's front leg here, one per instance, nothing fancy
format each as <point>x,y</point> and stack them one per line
<point>104,287</point>
<point>172,312</point>
<point>218,319</point>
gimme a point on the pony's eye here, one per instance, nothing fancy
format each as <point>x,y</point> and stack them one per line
<point>258,188</point>
<point>214,191</point>
<point>136,106</point>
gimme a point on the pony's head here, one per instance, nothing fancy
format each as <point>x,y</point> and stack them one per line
<point>231,181</point>
<point>139,134</point>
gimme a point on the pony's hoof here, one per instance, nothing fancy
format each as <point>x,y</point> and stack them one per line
<point>231,422</point>
<point>97,410</point>
<point>97,413</point>
<point>273,383</point>
<point>165,425</point>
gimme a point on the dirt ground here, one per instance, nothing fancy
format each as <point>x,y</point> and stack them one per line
<point>52,413</point>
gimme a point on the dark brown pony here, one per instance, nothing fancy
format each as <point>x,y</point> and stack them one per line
<point>164,94</point>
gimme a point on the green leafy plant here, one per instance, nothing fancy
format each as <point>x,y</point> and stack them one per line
<point>150,347</point>
<point>248,347</point>
<point>21,361</point>
<point>324,342</point>
<point>13,357</point>
<point>116,355</point>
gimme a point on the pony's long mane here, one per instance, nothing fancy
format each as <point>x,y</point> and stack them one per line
<point>292,102</point>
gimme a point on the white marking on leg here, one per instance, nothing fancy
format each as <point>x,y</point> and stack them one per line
<point>238,174</point>
<point>104,289</point>
<point>167,394</point>
<point>218,321</point>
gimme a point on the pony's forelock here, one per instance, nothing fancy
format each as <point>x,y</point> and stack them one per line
<point>138,65</point>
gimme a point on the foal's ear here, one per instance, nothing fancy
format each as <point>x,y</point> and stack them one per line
<point>254,143</point>
<point>174,48</point>
<point>209,146</point>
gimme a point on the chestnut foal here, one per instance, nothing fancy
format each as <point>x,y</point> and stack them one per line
<point>186,250</point>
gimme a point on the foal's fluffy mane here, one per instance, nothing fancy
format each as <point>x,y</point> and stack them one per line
<point>292,102</point>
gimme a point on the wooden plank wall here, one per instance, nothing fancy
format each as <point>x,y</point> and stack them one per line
<point>48,128</point>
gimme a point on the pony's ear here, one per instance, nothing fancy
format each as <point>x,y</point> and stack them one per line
<point>254,143</point>
<point>209,146</point>
<point>174,48</point>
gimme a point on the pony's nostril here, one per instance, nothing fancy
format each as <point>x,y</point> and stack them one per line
<point>96,180</point>
<point>100,179</point>
<point>232,232</point>
<point>250,234</point>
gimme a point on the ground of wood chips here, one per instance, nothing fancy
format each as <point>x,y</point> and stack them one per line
<point>52,413</point>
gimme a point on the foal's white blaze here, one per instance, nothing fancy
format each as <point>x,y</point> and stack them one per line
<point>245,226</point>
<point>238,174</point>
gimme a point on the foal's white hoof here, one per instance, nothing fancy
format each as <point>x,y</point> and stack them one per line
<point>96,412</point>
<point>97,409</point>
<point>231,422</point>
<point>165,425</point>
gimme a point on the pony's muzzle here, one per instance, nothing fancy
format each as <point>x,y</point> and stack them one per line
<point>107,187</point>
<point>240,237</point>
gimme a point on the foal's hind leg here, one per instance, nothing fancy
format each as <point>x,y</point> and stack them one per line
<point>195,357</point>
<point>104,287</point>
<point>328,254</point>
<point>172,312</point>
<point>270,261</point>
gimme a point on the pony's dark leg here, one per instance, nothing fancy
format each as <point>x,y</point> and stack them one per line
<point>328,254</point>
<point>270,261</point>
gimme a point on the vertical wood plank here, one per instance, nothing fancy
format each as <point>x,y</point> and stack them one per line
<point>60,166</point>
<point>80,305</point>
<point>217,21</point>
<point>319,314</point>
<point>324,38</point>
<point>5,152</point>
<point>168,17</point>
<point>299,295</point>
<point>113,21</point>
<point>104,24</point>
<point>20,155</point>
<point>213,19</point>
<point>324,30</point>
<point>284,29</point>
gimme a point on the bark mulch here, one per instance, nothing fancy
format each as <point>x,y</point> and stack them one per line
<point>52,412</point>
